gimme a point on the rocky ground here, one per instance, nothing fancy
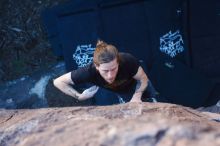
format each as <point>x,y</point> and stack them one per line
<point>149,124</point>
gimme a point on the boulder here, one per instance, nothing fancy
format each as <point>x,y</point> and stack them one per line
<point>130,124</point>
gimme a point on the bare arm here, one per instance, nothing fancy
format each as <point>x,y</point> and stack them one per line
<point>141,86</point>
<point>64,83</point>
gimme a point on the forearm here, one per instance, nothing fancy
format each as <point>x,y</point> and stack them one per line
<point>141,86</point>
<point>67,89</point>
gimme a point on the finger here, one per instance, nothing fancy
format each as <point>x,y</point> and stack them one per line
<point>93,88</point>
<point>97,88</point>
<point>94,91</point>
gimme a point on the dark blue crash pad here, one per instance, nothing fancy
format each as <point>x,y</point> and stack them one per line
<point>147,29</point>
<point>133,26</point>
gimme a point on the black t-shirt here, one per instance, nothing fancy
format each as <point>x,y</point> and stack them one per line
<point>128,67</point>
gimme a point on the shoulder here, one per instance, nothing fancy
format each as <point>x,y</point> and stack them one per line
<point>125,55</point>
<point>88,68</point>
<point>127,58</point>
<point>85,73</point>
<point>128,63</point>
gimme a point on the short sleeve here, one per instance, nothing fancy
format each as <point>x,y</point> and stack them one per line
<point>132,64</point>
<point>82,75</point>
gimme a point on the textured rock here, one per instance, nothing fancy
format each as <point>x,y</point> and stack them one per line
<point>131,124</point>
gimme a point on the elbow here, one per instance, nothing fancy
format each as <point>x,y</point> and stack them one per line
<point>62,81</point>
<point>56,82</point>
<point>145,78</point>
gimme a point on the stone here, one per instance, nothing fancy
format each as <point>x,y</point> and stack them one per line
<point>130,124</point>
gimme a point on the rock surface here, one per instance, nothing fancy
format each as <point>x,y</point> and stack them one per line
<point>131,124</point>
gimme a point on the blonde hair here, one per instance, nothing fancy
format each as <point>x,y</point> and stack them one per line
<point>104,53</point>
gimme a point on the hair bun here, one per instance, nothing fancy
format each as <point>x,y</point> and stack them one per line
<point>100,43</point>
